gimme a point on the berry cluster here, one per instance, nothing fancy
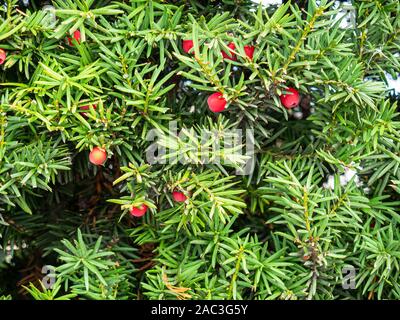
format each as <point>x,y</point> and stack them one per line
<point>216,103</point>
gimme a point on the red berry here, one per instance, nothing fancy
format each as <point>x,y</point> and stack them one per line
<point>77,36</point>
<point>291,99</point>
<point>84,114</point>
<point>187,45</point>
<point>216,102</point>
<point>179,196</point>
<point>138,211</point>
<point>372,224</point>
<point>231,55</point>
<point>249,51</point>
<point>98,156</point>
<point>3,56</point>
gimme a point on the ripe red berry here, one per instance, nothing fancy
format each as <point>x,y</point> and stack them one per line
<point>84,114</point>
<point>138,211</point>
<point>372,224</point>
<point>3,56</point>
<point>98,156</point>
<point>77,37</point>
<point>231,55</point>
<point>216,102</point>
<point>187,45</point>
<point>291,99</point>
<point>179,196</point>
<point>249,51</point>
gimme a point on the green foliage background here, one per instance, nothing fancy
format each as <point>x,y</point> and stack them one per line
<point>276,234</point>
